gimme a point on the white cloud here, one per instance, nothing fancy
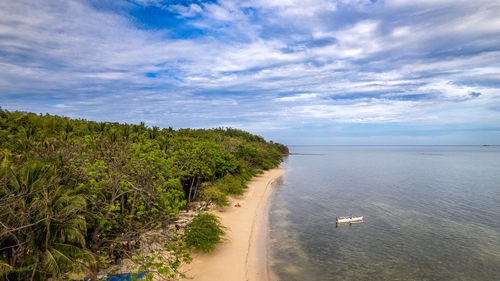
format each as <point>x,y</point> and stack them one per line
<point>401,31</point>
<point>296,7</point>
<point>299,97</point>
<point>410,3</point>
<point>410,63</point>
<point>189,11</point>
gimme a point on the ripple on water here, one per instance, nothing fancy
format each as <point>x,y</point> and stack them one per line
<point>430,214</point>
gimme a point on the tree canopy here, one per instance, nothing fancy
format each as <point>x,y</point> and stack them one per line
<point>76,195</point>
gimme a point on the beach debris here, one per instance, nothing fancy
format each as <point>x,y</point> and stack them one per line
<point>184,218</point>
<point>237,205</point>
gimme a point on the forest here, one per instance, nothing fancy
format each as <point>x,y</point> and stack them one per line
<point>78,195</point>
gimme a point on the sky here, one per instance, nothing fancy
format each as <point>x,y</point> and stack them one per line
<point>361,72</point>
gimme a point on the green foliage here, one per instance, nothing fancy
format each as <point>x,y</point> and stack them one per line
<point>232,184</point>
<point>154,261</point>
<point>43,224</point>
<point>77,195</point>
<point>214,194</point>
<point>204,232</point>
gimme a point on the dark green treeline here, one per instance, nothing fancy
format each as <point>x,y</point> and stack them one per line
<point>76,194</point>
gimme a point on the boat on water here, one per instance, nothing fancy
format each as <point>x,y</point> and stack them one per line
<point>349,219</point>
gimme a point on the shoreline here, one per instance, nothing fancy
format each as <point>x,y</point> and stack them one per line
<point>243,255</point>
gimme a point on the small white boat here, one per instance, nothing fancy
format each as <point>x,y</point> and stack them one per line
<point>348,219</point>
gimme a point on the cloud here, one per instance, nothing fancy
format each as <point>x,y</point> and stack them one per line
<point>299,97</point>
<point>298,65</point>
<point>186,11</point>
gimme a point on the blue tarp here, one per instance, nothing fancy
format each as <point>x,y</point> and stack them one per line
<point>119,277</point>
<point>125,277</point>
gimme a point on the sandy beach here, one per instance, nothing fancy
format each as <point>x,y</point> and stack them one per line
<point>243,255</point>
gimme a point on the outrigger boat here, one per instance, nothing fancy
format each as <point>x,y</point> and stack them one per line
<point>340,220</point>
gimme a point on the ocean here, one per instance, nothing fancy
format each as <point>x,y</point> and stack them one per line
<point>430,213</point>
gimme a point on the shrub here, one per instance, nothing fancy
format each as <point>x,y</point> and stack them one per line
<point>204,232</point>
<point>232,185</point>
<point>213,194</point>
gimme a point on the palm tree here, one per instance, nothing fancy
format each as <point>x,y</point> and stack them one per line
<point>44,228</point>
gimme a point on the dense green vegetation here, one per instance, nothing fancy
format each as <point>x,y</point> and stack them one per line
<point>204,232</point>
<point>76,195</point>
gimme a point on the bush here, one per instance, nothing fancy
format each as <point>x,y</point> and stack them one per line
<point>204,232</point>
<point>213,194</point>
<point>232,185</point>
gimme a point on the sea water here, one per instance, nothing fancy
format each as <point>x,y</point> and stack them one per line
<point>430,213</point>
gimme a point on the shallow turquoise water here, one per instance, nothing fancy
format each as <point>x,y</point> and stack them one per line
<point>431,213</point>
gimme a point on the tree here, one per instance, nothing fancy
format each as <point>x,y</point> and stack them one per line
<point>78,194</point>
<point>43,227</point>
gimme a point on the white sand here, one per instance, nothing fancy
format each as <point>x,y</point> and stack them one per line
<point>243,255</point>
